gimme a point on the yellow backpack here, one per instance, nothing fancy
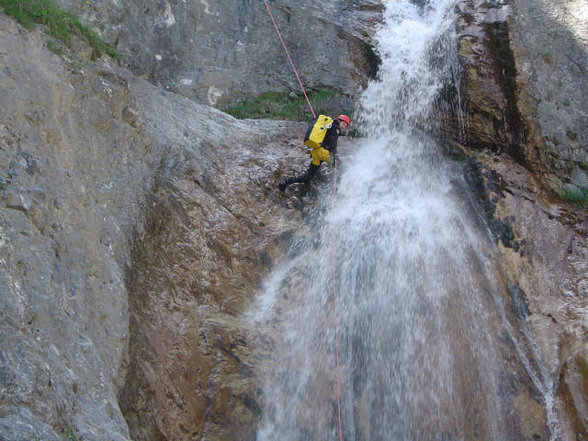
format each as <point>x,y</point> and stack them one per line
<point>316,131</point>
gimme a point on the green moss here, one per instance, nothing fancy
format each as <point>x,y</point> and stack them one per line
<point>5,179</point>
<point>583,368</point>
<point>579,197</point>
<point>70,434</point>
<point>275,105</point>
<point>60,24</point>
<point>54,47</point>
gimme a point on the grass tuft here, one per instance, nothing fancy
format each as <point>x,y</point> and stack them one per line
<point>60,24</point>
<point>579,197</point>
<point>275,105</point>
<point>70,434</point>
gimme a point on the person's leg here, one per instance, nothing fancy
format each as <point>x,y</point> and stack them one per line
<point>303,178</point>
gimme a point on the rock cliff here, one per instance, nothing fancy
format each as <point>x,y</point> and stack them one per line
<point>118,197</point>
<point>522,124</point>
<point>137,223</point>
<point>523,68</point>
<point>218,53</point>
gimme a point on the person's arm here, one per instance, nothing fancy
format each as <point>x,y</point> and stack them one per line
<point>331,137</point>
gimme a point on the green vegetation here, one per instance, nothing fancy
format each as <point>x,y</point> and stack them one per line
<point>54,47</point>
<point>275,105</point>
<point>571,134</point>
<point>70,434</point>
<point>578,197</point>
<point>61,24</point>
<point>583,368</point>
<point>5,179</point>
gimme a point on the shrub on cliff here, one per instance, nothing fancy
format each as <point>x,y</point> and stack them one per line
<point>275,105</point>
<point>60,24</point>
<point>579,197</point>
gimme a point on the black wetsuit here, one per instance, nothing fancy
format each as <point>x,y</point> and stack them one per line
<point>330,144</point>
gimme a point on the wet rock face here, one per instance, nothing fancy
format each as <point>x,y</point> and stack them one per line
<point>207,247</point>
<point>545,263</point>
<point>134,226</point>
<point>517,89</point>
<point>492,118</point>
<point>520,62</point>
<point>219,52</point>
<point>573,392</point>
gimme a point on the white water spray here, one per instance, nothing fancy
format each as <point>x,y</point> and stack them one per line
<point>406,261</point>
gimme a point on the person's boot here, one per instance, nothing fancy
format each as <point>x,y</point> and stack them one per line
<point>293,180</point>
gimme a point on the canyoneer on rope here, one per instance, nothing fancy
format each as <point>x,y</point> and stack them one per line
<point>326,142</point>
<point>323,140</point>
<point>321,137</point>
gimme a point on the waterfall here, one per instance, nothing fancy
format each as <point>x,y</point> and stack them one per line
<point>397,276</point>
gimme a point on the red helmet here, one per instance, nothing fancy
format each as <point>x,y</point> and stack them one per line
<point>344,118</point>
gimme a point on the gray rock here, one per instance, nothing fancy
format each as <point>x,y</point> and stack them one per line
<point>103,164</point>
<point>135,224</point>
<point>550,45</point>
<point>524,68</point>
<point>219,53</point>
<point>579,177</point>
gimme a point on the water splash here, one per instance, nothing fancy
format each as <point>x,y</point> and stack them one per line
<point>408,262</point>
<point>417,47</point>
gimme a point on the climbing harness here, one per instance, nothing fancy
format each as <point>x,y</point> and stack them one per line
<point>333,247</point>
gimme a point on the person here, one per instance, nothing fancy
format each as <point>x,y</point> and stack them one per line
<point>322,154</point>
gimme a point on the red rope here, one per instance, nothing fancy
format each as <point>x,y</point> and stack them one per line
<point>334,274</point>
<point>333,247</point>
<point>289,58</point>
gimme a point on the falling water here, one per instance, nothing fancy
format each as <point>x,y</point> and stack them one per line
<point>386,311</point>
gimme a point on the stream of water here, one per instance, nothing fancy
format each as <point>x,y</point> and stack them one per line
<point>398,278</point>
